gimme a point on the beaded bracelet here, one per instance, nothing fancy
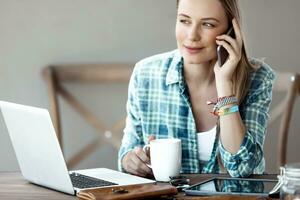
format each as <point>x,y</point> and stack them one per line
<point>225,97</point>
<point>223,101</point>
<point>228,110</point>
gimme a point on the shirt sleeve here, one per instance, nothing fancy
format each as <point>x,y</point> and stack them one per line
<point>133,130</point>
<point>254,113</point>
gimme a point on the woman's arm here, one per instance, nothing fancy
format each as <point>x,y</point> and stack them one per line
<point>242,133</point>
<point>132,158</point>
<point>232,128</point>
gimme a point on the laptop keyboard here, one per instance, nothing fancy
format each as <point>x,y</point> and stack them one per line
<point>82,181</point>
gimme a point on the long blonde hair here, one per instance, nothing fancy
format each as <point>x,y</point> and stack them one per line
<point>241,75</point>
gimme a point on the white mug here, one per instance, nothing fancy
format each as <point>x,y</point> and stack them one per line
<point>165,158</point>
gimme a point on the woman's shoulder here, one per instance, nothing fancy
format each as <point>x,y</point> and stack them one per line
<point>262,71</point>
<point>157,62</point>
<point>262,78</point>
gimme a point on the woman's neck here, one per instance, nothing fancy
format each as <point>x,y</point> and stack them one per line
<point>199,75</point>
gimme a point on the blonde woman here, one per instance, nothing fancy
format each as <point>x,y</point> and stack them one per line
<point>220,113</point>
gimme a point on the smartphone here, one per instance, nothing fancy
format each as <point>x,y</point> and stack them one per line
<point>221,51</point>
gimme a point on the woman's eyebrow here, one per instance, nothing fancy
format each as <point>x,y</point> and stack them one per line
<point>203,19</point>
<point>183,15</point>
<point>210,18</point>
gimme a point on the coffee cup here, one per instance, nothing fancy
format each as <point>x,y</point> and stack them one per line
<point>165,158</point>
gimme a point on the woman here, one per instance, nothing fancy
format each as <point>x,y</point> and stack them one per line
<point>169,94</point>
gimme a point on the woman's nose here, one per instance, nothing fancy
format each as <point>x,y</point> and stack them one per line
<point>194,34</point>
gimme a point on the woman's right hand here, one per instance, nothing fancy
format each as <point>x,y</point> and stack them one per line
<point>135,161</point>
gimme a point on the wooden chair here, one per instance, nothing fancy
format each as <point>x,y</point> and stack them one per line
<point>120,73</point>
<point>289,83</point>
<point>92,73</point>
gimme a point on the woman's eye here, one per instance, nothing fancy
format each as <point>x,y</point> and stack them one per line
<point>184,21</point>
<point>209,25</point>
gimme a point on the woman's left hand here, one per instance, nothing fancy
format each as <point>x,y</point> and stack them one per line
<point>234,48</point>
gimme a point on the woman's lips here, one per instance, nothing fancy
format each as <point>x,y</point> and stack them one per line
<point>193,50</point>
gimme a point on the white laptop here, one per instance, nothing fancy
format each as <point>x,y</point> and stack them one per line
<point>40,157</point>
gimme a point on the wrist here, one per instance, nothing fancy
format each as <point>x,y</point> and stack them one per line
<point>224,88</point>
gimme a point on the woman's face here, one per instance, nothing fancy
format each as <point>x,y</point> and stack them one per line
<point>198,24</point>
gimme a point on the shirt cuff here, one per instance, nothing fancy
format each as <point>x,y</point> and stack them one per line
<point>247,155</point>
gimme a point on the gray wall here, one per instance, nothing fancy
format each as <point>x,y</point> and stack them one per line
<point>37,33</point>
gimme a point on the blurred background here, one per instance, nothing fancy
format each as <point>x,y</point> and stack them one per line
<point>38,33</point>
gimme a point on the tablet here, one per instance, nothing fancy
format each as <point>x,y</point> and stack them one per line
<point>232,186</point>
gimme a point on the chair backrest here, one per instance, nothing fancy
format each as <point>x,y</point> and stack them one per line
<point>56,75</point>
<point>120,73</point>
<point>290,84</point>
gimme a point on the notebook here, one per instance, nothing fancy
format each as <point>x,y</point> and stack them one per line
<point>40,157</point>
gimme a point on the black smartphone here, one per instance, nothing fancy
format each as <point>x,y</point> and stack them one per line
<point>221,51</point>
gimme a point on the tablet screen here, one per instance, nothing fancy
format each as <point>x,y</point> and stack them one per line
<point>233,185</point>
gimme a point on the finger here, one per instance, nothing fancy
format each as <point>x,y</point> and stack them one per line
<point>147,151</point>
<point>228,47</point>
<point>140,170</point>
<point>238,32</point>
<point>150,138</point>
<point>141,154</point>
<point>229,40</point>
<point>139,165</point>
<point>135,172</point>
<point>133,169</point>
<point>130,166</point>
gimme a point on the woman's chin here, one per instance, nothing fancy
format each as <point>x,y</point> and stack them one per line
<point>195,61</point>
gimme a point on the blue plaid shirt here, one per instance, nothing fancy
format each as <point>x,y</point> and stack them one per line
<point>158,104</point>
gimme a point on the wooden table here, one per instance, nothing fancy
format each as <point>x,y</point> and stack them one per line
<point>14,186</point>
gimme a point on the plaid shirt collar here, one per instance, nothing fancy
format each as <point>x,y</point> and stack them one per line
<point>175,70</point>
